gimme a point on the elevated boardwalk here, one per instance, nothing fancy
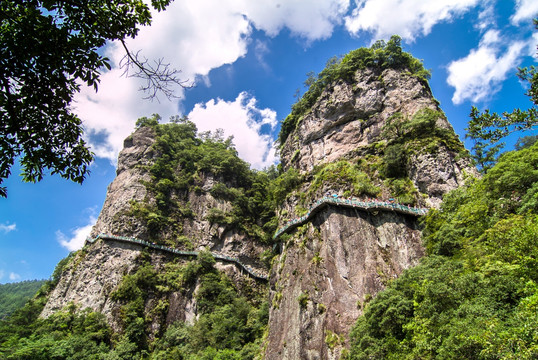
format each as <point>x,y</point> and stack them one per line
<point>374,205</point>
<point>220,257</point>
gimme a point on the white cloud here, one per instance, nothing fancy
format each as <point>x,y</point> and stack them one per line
<point>78,236</point>
<point>480,74</point>
<point>525,10</point>
<point>533,46</point>
<point>113,111</point>
<point>491,37</point>
<point>194,37</point>
<point>260,50</point>
<point>407,18</point>
<point>486,16</point>
<point>14,276</point>
<point>250,126</point>
<point>312,20</point>
<point>7,228</point>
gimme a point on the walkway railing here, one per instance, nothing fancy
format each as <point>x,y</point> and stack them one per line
<point>217,256</point>
<point>371,205</point>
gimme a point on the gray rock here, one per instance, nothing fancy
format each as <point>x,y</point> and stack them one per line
<point>346,256</point>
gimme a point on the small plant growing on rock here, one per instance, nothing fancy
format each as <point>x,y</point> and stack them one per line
<point>276,299</point>
<point>332,339</point>
<point>317,260</point>
<point>303,299</point>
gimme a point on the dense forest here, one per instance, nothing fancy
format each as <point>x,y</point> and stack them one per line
<point>13,296</point>
<point>230,324</point>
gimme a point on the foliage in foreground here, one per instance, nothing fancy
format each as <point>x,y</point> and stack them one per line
<point>475,295</point>
<point>230,324</point>
<point>47,50</point>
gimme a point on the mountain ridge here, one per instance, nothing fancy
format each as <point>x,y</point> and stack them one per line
<point>375,133</point>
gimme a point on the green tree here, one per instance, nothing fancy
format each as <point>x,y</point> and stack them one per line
<point>47,49</point>
<point>474,295</point>
<point>13,296</point>
<point>525,142</point>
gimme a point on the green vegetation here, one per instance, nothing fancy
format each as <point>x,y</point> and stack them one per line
<point>67,334</point>
<point>343,174</point>
<point>184,160</point>
<point>419,134</point>
<point>475,295</point>
<point>283,185</point>
<point>332,339</point>
<point>230,322</point>
<point>525,142</point>
<point>403,190</point>
<point>404,137</point>
<point>38,85</point>
<point>303,299</point>
<point>14,296</point>
<point>378,57</point>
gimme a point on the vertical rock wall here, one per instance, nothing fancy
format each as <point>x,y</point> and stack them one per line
<point>97,270</point>
<point>332,266</point>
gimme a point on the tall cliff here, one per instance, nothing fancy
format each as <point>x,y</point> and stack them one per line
<point>168,193</point>
<point>366,129</point>
<point>379,133</point>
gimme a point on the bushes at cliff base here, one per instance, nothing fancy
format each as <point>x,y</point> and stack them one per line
<point>475,295</point>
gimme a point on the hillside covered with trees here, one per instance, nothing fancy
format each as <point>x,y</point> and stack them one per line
<point>15,295</point>
<point>474,296</point>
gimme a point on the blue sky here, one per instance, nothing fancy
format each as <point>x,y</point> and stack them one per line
<point>247,59</point>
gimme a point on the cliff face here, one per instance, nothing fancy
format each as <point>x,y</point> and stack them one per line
<point>331,267</point>
<point>98,269</point>
<point>379,135</point>
<point>116,217</point>
<point>349,118</point>
<point>326,275</point>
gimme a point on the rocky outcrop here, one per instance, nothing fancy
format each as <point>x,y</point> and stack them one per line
<point>328,268</point>
<point>348,118</point>
<point>90,278</point>
<point>97,270</point>
<point>327,272</point>
<point>436,174</point>
<point>127,187</point>
<point>332,266</point>
<point>116,217</point>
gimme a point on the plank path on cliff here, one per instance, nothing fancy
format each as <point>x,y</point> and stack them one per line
<point>372,205</point>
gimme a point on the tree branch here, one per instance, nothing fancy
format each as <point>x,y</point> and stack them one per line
<point>159,76</point>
